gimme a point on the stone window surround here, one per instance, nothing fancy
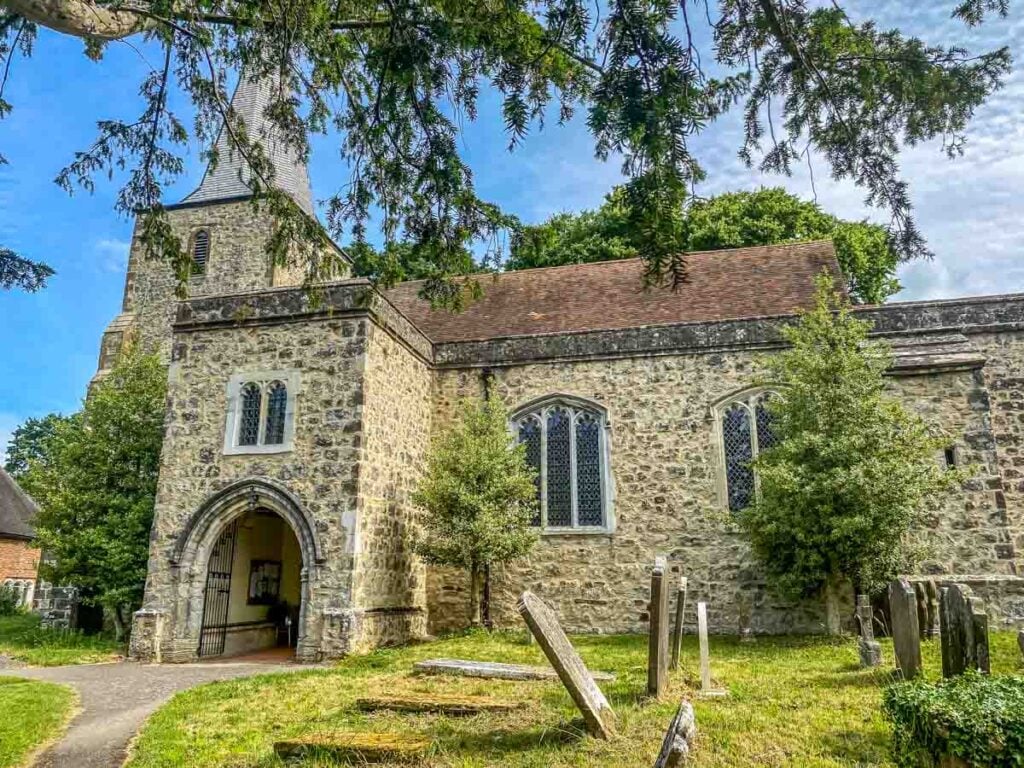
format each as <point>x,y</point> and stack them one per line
<point>292,381</point>
<point>194,276</point>
<point>25,588</point>
<point>747,397</point>
<point>538,407</point>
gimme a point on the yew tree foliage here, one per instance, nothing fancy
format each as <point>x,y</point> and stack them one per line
<point>852,472</point>
<point>478,494</point>
<point>96,486</point>
<point>767,216</point>
<point>399,80</point>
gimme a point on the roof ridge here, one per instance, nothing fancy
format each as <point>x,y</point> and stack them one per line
<point>606,262</point>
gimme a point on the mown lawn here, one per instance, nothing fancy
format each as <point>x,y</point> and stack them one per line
<point>793,702</point>
<point>23,639</point>
<point>34,714</point>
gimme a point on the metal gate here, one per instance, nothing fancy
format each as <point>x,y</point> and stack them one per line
<point>218,589</point>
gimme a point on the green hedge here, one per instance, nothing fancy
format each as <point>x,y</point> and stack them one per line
<point>977,718</point>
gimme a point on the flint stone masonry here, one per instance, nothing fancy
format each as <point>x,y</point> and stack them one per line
<point>573,673</point>
<point>675,749</point>
<point>494,670</point>
<point>906,635</point>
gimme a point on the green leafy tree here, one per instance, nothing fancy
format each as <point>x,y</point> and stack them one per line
<point>97,486</point>
<point>30,443</point>
<point>479,495</point>
<point>852,472</point>
<point>398,81</point>
<point>732,220</point>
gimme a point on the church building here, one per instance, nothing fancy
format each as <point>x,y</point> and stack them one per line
<point>296,432</point>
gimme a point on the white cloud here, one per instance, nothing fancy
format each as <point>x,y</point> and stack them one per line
<point>112,254</point>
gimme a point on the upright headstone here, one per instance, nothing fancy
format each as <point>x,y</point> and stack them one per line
<point>1020,641</point>
<point>677,631</point>
<point>870,650</point>
<point>676,746</point>
<point>964,625</point>
<point>933,608</point>
<point>705,654</point>
<point>573,673</point>
<point>657,641</point>
<point>744,612</point>
<point>906,634</point>
<point>921,595</point>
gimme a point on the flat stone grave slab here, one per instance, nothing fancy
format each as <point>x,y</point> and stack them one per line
<point>437,703</point>
<point>494,670</point>
<point>573,673</point>
<point>675,749</point>
<point>358,748</point>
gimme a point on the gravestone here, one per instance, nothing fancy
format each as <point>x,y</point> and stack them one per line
<point>870,650</point>
<point>676,746</point>
<point>705,656</point>
<point>1020,641</point>
<point>492,670</point>
<point>445,704</point>
<point>657,639</point>
<point>933,608</point>
<point>906,634</point>
<point>677,632</point>
<point>357,747</point>
<point>573,673</point>
<point>921,598</point>
<point>964,626</point>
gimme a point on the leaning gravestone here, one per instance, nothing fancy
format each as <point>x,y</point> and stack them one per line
<point>677,632</point>
<point>676,746</point>
<point>870,649</point>
<point>906,634</point>
<point>492,670</point>
<point>964,625</point>
<point>657,641</point>
<point>921,595</point>
<point>571,670</point>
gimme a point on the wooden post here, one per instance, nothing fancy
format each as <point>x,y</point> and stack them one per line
<point>677,634</point>
<point>657,641</point>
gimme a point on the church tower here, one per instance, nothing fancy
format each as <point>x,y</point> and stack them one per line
<point>220,228</point>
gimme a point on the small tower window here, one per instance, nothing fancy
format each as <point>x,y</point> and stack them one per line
<point>261,412</point>
<point>200,251</point>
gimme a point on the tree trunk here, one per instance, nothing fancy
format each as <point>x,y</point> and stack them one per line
<point>474,595</point>
<point>833,605</point>
<point>118,624</point>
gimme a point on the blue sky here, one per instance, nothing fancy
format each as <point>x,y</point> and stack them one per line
<point>970,209</point>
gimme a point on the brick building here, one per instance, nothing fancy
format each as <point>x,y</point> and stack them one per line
<point>19,559</point>
<point>296,432</point>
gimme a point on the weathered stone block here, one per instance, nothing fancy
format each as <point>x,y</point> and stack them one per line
<point>675,749</point>
<point>357,747</point>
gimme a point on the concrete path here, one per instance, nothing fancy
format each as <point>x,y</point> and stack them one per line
<point>115,699</point>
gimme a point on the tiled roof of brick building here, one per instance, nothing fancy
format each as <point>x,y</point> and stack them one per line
<point>761,281</point>
<point>17,510</point>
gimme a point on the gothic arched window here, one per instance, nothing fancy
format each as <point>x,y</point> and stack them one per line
<point>566,441</point>
<point>261,412</point>
<point>200,251</point>
<point>744,425</point>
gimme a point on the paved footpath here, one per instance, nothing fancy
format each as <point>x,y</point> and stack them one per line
<point>115,699</point>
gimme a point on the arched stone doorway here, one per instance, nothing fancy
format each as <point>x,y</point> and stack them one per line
<point>245,563</point>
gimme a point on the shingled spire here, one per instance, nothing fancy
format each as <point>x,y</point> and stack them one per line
<point>230,178</point>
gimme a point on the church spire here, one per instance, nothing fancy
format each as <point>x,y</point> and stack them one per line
<point>230,178</point>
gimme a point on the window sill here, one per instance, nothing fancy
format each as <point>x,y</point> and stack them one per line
<point>257,450</point>
<point>576,531</point>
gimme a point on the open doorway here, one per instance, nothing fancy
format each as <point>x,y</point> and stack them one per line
<point>253,592</point>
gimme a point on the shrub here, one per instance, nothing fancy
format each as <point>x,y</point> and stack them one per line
<point>10,600</point>
<point>974,717</point>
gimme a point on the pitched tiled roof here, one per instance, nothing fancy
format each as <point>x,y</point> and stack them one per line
<point>762,281</point>
<point>17,510</point>
<point>229,179</point>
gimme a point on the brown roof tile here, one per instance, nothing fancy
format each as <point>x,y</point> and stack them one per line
<point>762,281</point>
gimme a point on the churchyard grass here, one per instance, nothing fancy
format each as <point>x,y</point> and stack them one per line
<point>792,702</point>
<point>24,640</point>
<point>34,714</point>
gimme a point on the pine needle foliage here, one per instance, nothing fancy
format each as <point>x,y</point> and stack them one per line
<point>479,495</point>
<point>852,472</point>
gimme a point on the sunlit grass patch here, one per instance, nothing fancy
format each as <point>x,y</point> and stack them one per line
<point>792,702</point>
<point>23,639</point>
<point>34,714</point>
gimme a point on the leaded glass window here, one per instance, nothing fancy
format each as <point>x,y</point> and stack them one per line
<point>565,443</point>
<point>746,430</point>
<point>260,412</point>
<point>249,425</point>
<point>277,402</point>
